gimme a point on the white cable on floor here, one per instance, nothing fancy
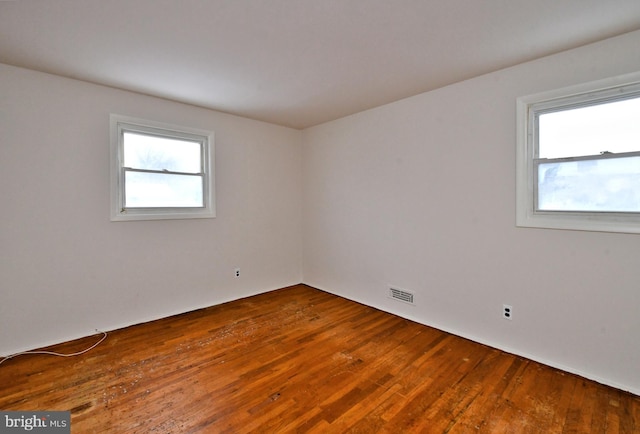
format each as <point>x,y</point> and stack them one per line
<point>51,353</point>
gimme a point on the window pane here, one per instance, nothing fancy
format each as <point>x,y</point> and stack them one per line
<point>612,127</point>
<point>609,184</point>
<point>160,153</point>
<point>155,190</point>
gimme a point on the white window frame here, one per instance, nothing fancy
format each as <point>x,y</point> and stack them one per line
<point>526,154</point>
<point>118,125</point>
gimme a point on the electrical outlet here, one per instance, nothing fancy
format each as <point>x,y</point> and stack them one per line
<point>236,272</point>
<point>507,312</point>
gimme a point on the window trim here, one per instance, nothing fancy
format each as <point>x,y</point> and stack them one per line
<point>573,96</point>
<point>118,125</point>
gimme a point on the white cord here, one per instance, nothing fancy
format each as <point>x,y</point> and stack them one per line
<point>51,353</point>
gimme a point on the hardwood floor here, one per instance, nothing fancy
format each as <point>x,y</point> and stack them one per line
<point>302,360</point>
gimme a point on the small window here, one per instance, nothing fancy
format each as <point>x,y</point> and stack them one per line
<point>578,161</point>
<point>160,171</point>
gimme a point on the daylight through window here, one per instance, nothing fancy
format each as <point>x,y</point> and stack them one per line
<point>160,171</point>
<point>579,158</point>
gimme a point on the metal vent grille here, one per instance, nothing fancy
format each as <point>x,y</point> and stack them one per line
<point>401,295</point>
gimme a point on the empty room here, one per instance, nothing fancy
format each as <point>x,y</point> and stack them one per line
<point>337,216</point>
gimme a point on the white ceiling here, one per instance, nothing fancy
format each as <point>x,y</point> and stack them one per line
<point>295,62</point>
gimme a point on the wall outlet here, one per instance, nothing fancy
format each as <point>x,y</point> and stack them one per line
<point>507,312</point>
<point>236,272</point>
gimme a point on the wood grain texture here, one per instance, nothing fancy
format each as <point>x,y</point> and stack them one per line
<point>302,360</point>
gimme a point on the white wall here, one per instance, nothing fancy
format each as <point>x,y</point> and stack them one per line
<point>66,270</point>
<point>418,194</point>
<point>421,194</point>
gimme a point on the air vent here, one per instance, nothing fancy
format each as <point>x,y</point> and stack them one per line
<point>401,295</point>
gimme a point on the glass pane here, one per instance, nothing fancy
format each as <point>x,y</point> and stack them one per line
<point>160,153</point>
<point>158,190</point>
<point>612,127</point>
<point>610,184</point>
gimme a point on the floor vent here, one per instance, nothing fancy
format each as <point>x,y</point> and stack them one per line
<point>401,295</point>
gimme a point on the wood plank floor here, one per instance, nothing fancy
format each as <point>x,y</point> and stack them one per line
<point>302,360</point>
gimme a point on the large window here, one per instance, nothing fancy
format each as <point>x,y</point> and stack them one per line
<point>578,161</point>
<point>160,171</point>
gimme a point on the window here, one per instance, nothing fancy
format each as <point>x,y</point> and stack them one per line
<point>160,171</point>
<point>578,157</point>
